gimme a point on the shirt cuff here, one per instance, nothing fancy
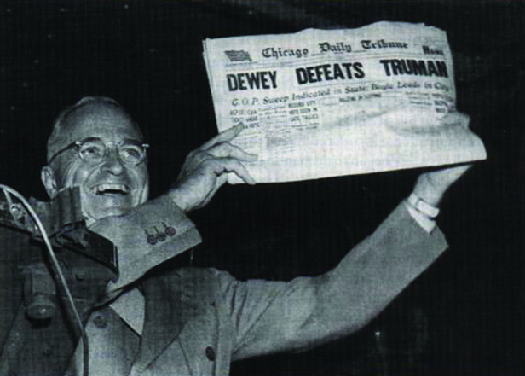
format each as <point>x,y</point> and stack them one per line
<point>428,224</point>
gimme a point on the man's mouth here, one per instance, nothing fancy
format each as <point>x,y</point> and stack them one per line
<point>110,189</point>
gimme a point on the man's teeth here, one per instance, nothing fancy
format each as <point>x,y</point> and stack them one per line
<point>111,189</point>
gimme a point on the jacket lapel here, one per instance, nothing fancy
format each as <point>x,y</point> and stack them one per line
<point>170,303</point>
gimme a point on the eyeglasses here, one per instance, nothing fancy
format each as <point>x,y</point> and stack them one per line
<point>94,151</point>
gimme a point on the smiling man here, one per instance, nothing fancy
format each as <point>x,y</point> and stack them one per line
<point>196,321</point>
<point>96,146</point>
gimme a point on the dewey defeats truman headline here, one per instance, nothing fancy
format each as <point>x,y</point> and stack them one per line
<point>347,70</point>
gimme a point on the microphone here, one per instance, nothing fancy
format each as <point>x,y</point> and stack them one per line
<point>39,292</point>
<point>53,271</point>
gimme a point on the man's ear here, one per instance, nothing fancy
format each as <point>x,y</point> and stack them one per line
<point>49,180</point>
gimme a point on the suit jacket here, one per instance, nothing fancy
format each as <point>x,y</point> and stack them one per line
<point>197,321</point>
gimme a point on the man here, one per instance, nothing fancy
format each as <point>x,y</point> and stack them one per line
<point>192,321</point>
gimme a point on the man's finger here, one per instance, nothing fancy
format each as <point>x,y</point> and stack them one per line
<point>227,150</point>
<point>219,166</point>
<point>224,136</point>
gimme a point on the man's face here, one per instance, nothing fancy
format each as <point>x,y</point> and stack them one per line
<point>111,187</point>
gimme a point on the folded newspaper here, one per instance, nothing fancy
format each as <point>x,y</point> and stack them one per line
<point>322,103</point>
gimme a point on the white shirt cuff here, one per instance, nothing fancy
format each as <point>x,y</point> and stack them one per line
<point>428,224</point>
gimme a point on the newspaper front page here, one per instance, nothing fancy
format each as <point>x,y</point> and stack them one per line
<point>322,103</point>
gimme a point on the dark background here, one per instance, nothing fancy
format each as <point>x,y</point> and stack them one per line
<point>464,316</point>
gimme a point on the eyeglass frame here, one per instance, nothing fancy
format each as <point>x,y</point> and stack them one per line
<point>79,144</point>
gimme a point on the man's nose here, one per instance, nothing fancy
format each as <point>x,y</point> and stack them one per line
<point>112,163</point>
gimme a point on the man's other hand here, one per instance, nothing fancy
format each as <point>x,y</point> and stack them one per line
<point>431,186</point>
<point>205,170</point>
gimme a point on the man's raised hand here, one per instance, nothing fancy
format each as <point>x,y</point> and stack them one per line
<point>205,170</point>
<point>431,186</point>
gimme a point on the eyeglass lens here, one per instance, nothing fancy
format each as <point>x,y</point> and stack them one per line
<point>95,151</point>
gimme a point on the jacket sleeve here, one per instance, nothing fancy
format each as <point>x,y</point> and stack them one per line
<point>270,317</point>
<point>146,236</point>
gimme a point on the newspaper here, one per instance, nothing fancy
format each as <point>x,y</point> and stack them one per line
<point>321,103</point>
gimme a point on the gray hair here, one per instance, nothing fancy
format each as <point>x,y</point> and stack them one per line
<point>57,135</point>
